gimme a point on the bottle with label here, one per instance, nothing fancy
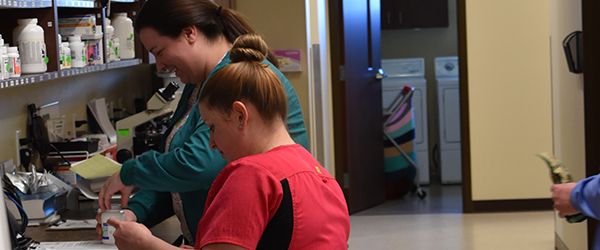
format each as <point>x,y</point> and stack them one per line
<point>14,62</point>
<point>78,52</point>
<point>110,39</point>
<point>1,62</point>
<point>66,61</point>
<point>5,65</point>
<point>61,56</point>
<point>108,230</point>
<point>116,47</point>
<point>124,31</point>
<point>29,37</point>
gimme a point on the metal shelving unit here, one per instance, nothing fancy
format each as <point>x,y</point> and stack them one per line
<point>77,3</point>
<point>37,78</point>
<point>25,3</point>
<point>44,8</point>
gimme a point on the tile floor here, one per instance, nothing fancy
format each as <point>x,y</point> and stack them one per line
<point>437,222</point>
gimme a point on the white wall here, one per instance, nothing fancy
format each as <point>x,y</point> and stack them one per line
<point>568,115</point>
<point>300,29</point>
<point>509,88</point>
<point>283,26</point>
<point>72,93</point>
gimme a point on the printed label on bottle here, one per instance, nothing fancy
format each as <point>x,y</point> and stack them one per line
<point>32,52</point>
<point>14,65</point>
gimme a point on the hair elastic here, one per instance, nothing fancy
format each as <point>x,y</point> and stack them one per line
<point>219,11</point>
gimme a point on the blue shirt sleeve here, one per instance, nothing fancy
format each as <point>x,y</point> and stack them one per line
<point>585,197</point>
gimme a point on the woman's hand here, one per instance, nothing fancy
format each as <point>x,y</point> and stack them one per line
<point>129,216</point>
<point>132,235</point>
<point>112,185</point>
<point>561,195</point>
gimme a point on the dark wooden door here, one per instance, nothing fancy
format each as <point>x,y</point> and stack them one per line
<point>591,90</point>
<point>355,34</point>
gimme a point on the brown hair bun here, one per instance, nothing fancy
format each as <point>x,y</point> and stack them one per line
<point>250,48</point>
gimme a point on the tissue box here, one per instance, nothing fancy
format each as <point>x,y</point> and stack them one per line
<point>77,25</point>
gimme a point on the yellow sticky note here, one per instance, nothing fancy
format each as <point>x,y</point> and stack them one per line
<point>96,166</point>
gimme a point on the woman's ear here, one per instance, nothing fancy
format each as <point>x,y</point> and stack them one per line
<point>190,33</point>
<point>240,112</point>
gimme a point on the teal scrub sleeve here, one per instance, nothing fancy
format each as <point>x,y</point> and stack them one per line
<point>191,166</point>
<point>151,207</point>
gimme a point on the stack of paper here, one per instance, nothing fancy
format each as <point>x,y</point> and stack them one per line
<point>94,172</point>
<point>96,166</point>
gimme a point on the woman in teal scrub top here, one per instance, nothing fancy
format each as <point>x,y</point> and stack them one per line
<point>191,38</point>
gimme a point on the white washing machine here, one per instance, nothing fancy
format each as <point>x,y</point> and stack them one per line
<point>446,74</point>
<point>410,71</point>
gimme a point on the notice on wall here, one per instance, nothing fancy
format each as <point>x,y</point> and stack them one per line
<point>289,60</point>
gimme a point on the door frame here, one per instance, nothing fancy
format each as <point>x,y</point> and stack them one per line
<point>591,52</point>
<point>346,170</point>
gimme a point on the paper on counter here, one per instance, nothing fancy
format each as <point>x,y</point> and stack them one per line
<point>74,224</point>
<point>96,166</point>
<point>76,245</point>
<point>85,186</point>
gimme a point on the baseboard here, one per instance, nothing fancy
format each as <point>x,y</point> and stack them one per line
<point>512,205</point>
<point>558,243</point>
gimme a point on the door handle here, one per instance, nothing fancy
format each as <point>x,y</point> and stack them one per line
<point>380,74</point>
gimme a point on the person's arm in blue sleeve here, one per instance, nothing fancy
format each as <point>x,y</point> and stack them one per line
<point>585,196</point>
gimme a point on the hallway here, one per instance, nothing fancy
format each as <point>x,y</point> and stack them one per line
<point>437,223</point>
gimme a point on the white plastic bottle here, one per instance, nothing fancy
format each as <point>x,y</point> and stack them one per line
<point>1,62</point>
<point>61,56</point>
<point>66,62</point>
<point>5,65</point>
<point>29,37</point>
<point>124,31</point>
<point>78,52</point>
<point>110,39</point>
<point>116,47</point>
<point>107,230</point>
<point>14,62</point>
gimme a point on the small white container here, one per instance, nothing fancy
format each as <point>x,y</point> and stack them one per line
<point>78,52</point>
<point>66,60</point>
<point>4,60</point>
<point>1,61</point>
<point>14,62</point>
<point>1,72</point>
<point>108,230</point>
<point>61,56</point>
<point>115,57</point>
<point>29,37</point>
<point>124,31</point>
<point>111,55</point>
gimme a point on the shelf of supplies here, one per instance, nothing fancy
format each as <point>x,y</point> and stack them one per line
<point>25,3</point>
<point>30,79</point>
<point>77,3</point>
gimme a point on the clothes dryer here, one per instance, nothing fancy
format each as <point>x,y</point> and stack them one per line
<point>410,71</point>
<point>446,73</point>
